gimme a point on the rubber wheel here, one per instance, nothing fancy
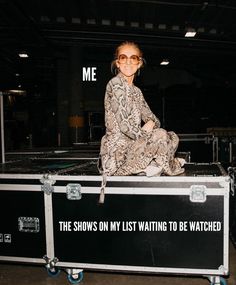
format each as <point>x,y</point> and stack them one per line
<point>53,272</point>
<point>76,280</point>
<point>223,281</point>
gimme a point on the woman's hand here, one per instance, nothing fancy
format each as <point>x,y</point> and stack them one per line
<point>148,127</point>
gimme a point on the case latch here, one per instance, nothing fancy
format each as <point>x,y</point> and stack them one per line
<point>28,224</point>
<point>73,191</point>
<point>198,193</point>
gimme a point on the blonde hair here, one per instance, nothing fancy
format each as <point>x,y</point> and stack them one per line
<point>114,68</point>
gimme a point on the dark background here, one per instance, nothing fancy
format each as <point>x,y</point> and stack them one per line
<point>194,92</point>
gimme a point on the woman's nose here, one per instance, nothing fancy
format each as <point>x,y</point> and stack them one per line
<point>128,61</point>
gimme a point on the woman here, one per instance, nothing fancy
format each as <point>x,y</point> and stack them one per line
<point>128,147</point>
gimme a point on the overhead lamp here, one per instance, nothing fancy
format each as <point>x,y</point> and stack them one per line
<point>23,54</point>
<point>175,28</point>
<point>75,20</point>
<point>201,30</point>
<point>61,19</point>
<point>91,21</point>
<point>190,33</point>
<point>15,92</point>
<point>148,25</point>
<point>212,31</point>
<point>120,23</point>
<point>134,24</point>
<point>162,26</point>
<point>165,62</point>
<point>106,22</point>
<point>44,19</point>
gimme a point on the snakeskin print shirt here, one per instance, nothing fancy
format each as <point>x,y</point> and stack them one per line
<point>125,109</point>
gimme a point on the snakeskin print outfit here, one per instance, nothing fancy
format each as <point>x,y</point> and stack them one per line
<point>126,149</point>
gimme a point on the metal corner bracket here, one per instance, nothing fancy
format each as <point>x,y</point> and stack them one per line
<point>50,263</point>
<point>48,183</point>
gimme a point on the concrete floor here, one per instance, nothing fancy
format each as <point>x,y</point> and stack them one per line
<point>18,274</point>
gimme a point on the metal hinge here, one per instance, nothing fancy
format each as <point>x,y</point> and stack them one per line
<point>198,193</point>
<point>48,183</point>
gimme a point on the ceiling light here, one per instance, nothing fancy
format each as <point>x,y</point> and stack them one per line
<point>165,62</point>
<point>190,33</point>
<point>91,21</point>
<point>120,23</point>
<point>106,22</point>
<point>175,28</point>
<point>134,24</point>
<point>148,26</point>
<point>161,26</point>
<point>212,31</point>
<point>23,54</point>
<point>75,20</point>
<point>201,30</point>
<point>15,92</point>
<point>61,19</point>
<point>44,19</point>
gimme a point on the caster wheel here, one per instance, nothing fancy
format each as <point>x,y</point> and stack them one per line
<point>222,281</point>
<point>75,278</point>
<point>53,272</point>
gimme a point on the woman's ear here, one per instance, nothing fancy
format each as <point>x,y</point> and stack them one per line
<point>117,64</point>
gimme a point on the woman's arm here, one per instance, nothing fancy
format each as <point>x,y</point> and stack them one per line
<point>147,114</point>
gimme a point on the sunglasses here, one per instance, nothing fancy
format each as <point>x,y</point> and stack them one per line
<point>134,59</point>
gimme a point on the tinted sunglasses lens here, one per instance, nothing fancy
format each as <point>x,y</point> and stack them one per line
<point>122,58</point>
<point>134,59</point>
